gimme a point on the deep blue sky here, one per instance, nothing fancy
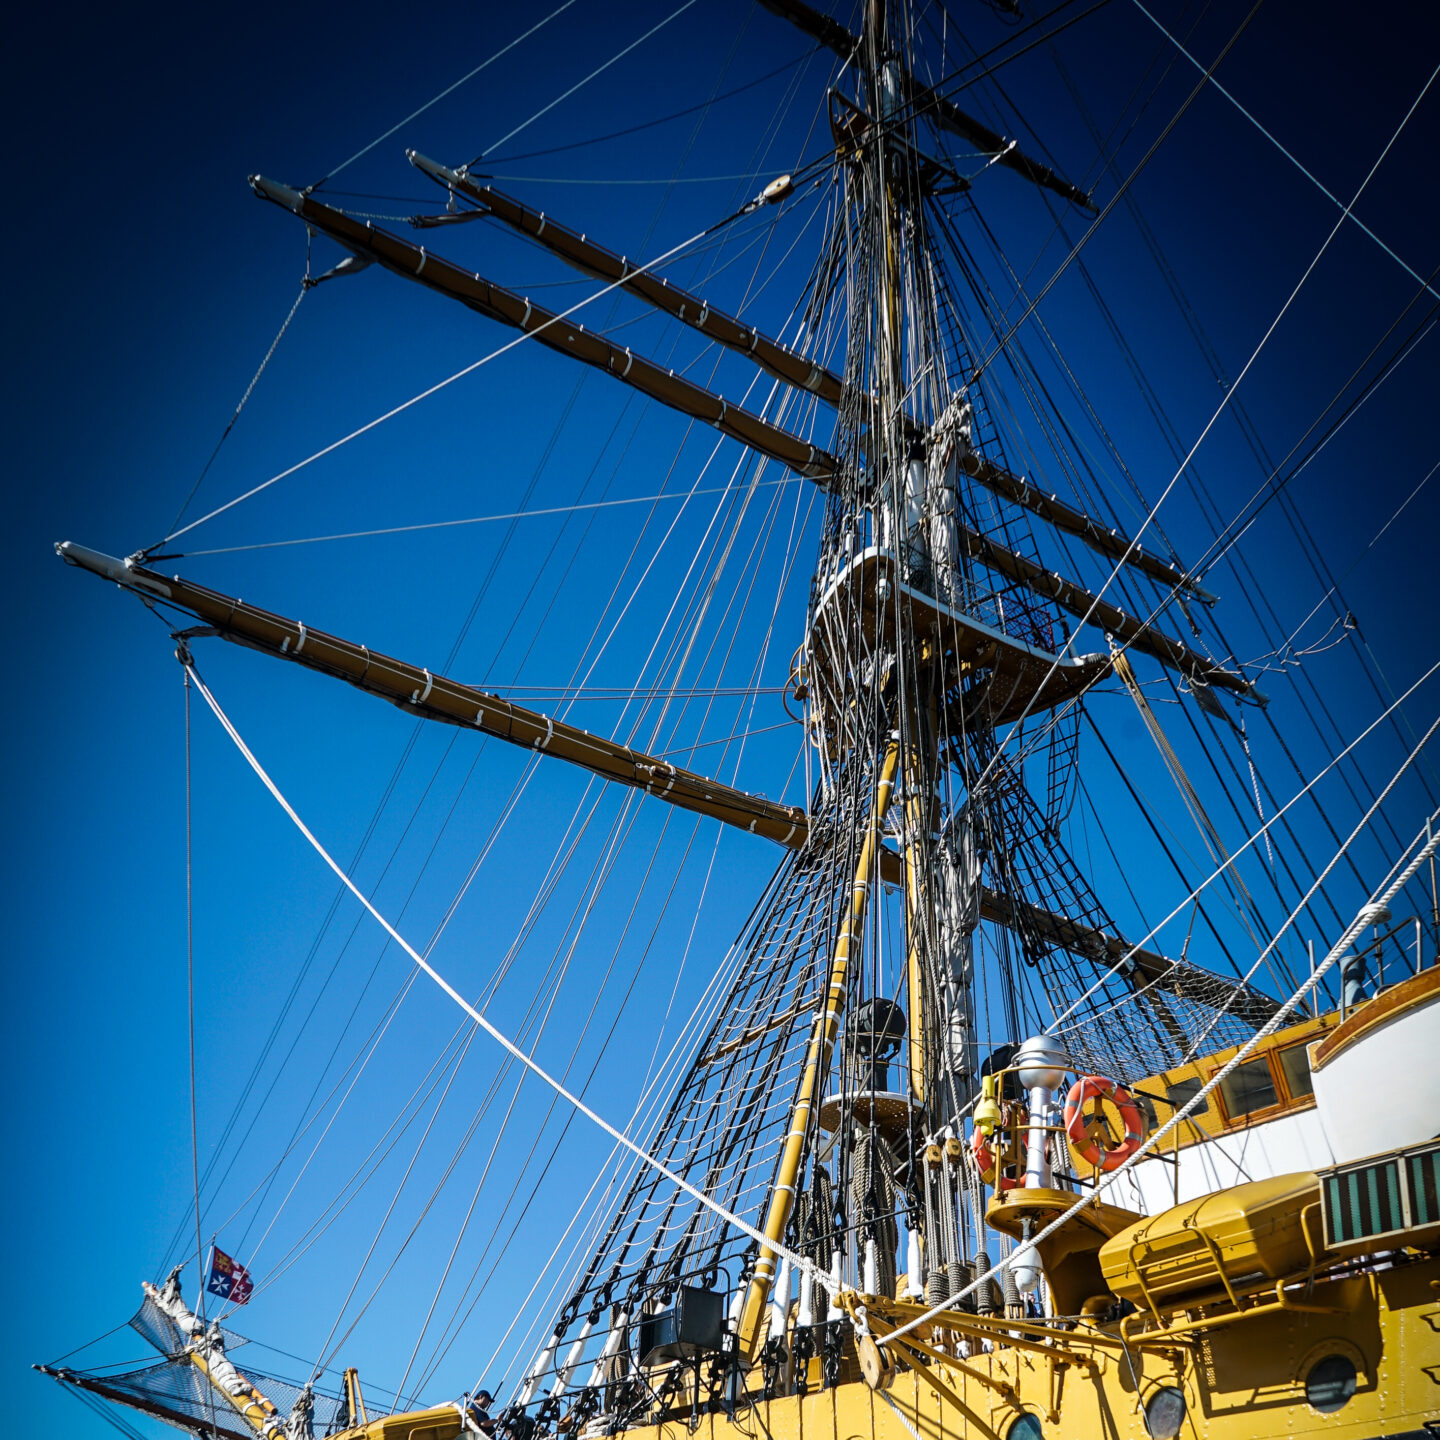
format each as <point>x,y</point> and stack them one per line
<point>146,282</point>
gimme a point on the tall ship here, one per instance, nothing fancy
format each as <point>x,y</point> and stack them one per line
<point>1075,1070</point>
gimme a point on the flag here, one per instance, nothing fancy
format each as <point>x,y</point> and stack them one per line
<point>229,1279</point>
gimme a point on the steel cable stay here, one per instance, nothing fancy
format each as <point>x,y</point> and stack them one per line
<point>434,389</point>
<point>1308,174</point>
<point>1254,355</point>
<point>654,1095</point>
<point>551,986</point>
<point>1228,902</point>
<point>451,911</point>
<point>789,550</point>
<point>580,84</point>
<point>370,830</point>
<point>661,120</point>
<point>371,1045</point>
<point>1190,719</point>
<point>539,513</point>
<point>1249,588</point>
<point>1262,830</point>
<point>441,95</point>
<point>290,1259</point>
<point>1115,199</point>
<point>547,888</point>
<point>305,287</point>
<point>647,1088</point>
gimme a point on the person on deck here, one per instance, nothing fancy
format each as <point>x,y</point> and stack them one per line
<point>478,1411</point>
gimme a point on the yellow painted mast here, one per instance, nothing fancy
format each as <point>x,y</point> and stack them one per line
<point>817,1057</point>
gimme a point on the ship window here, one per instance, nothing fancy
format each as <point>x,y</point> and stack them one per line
<point>1147,1109</point>
<point>1165,1413</point>
<point>1027,1427</point>
<point>1295,1062</point>
<point>1330,1383</point>
<point>1249,1087</point>
<point>1182,1092</point>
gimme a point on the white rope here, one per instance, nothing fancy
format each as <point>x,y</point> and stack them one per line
<point>1308,174</point>
<point>449,89</point>
<point>1367,916</point>
<point>1220,409</point>
<point>481,519</point>
<point>900,1415</point>
<point>439,385</point>
<point>580,84</point>
<point>499,1037</point>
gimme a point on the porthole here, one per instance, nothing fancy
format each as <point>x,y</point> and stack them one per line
<point>1165,1413</point>
<point>1330,1383</point>
<point>1027,1427</point>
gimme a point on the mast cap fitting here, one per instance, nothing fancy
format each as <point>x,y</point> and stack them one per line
<point>1041,1062</point>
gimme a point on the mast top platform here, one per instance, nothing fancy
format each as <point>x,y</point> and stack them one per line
<point>866,601</point>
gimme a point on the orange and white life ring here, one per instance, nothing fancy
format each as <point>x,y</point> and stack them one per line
<point>1091,1087</point>
<point>985,1162</point>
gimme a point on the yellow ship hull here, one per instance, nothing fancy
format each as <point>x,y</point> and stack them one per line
<point>1244,1379</point>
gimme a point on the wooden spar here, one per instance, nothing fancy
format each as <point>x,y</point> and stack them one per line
<point>585,255</point>
<point>817,1058</point>
<point>497,303</point>
<point>1133,633</point>
<point>435,697</point>
<point>925,101</point>
<point>1056,512</point>
<point>784,364</point>
<point>415,262</point>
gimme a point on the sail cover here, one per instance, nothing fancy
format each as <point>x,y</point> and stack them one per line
<point>177,1392</point>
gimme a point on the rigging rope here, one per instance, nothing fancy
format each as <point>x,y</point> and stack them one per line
<point>1184,784</point>
<point>475,519</point>
<point>460,374</point>
<point>435,100</point>
<point>477,1016</point>
<point>1119,195</point>
<point>663,119</point>
<point>1232,390</point>
<point>200,1284</point>
<point>1289,155</point>
<point>305,287</point>
<point>1263,830</point>
<point>580,84</point>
